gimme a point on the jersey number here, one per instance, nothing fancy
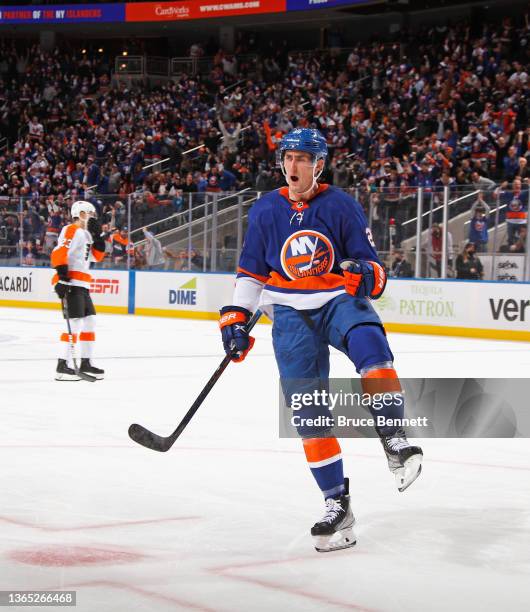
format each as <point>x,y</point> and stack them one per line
<point>370,237</point>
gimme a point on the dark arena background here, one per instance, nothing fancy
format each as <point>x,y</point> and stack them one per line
<point>167,119</point>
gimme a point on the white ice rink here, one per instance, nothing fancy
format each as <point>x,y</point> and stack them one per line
<point>221,522</point>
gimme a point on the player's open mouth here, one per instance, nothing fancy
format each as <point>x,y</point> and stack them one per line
<point>293,178</point>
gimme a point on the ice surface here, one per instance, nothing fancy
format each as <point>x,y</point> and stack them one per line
<point>221,522</point>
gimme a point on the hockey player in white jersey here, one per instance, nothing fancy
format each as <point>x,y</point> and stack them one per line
<point>80,243</point>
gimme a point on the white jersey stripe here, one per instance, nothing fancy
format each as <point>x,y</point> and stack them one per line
<point>324,462</point>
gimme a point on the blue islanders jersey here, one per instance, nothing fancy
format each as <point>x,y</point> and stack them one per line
<point>295,248</point>
<point>478,230</point>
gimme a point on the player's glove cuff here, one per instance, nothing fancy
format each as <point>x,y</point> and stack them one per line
<point>62,273</point>
<point>236,340</point>
<point>233,314</point>
<point>363,278</point>
<point>62,289</point>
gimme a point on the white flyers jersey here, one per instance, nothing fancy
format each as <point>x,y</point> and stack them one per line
<point>75,250</point>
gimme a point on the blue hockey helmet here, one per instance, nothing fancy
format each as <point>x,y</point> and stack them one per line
<point>305,139</point>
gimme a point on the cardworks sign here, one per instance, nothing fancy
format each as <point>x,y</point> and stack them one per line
<point>177,11</point>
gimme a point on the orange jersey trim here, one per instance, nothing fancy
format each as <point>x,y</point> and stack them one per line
<point>74,275</point>
<point>59,256</point>
<point>262,279</point>
<point>98,255</point>
<point>118,238</point>
<point>284,191</point>
<point>312,283</point>
<point>516,215</point>
<point>318,449</point>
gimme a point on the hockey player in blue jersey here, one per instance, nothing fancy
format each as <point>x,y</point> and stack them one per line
<point>309,260</point>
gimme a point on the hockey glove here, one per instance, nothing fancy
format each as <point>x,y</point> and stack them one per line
<point>363,278</point>
<point>236,340</point>
<point>62,287</point>
<point>94,227</point>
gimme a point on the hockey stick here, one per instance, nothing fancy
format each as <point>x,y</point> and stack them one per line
<point>82,375</point>
<point>147,438</point>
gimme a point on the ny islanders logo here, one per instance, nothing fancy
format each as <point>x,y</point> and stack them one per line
<point>307,253</point>
<point>516,205</point>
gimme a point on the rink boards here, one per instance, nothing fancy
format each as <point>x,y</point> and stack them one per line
<point>499,310</point>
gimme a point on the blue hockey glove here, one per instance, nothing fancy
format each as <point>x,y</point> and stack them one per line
<point>363,278</point>
<point>236,340</point>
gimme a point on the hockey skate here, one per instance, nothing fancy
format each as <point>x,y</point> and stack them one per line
<point>87,368</point>
<point>404,460</point>
<point>63,372</point>
<point>335,530</point>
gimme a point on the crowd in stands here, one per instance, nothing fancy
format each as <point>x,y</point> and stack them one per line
<point>448,106</point>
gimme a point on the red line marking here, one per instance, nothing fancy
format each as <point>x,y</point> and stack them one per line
<point>214,449</point>
<point>269,584</point>
<point>222,571</point>
<point>183,603</point>
<point>225,568</point>
<point>361,455</point>
<point>48,528</point>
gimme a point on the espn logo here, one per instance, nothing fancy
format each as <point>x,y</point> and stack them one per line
<point>105,285</point>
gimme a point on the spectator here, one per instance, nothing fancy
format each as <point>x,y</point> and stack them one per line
<point>468,266</point>
<point>35,130</point>
<point>523,172</point>
<point>478,227</point>
<point>154,255</point>
<point>510,164</point>
<point>230,135</point>
<point>516,201</point>
<point>433,246</point>
<point>519,246</point>
<point>401,268</point>
<point>120,246</point>
<point>481,182</point>
<point>178,202</point>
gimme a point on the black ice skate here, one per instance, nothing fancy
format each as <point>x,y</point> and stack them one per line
<point>87,368</point>
<point>404,460</point>
<point>63,372</point>
<point>335,530</point>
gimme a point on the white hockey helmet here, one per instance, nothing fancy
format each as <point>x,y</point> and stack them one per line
<point>82,206</point>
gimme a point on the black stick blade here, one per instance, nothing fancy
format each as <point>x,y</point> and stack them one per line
<point>143,436</point>
<point>87,377</point>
